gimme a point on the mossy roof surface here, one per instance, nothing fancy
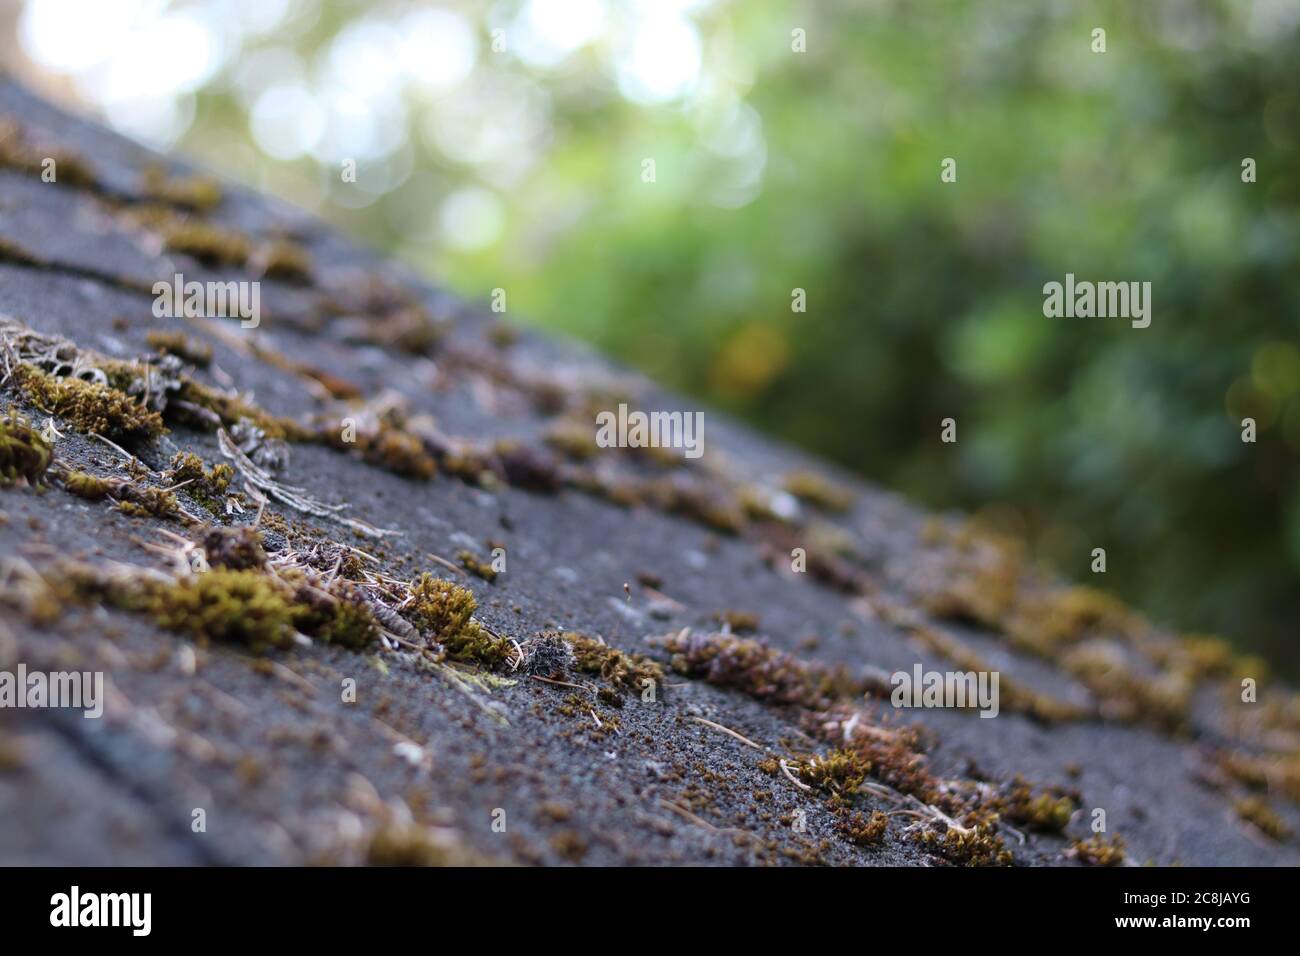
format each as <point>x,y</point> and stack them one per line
<point>289,772</point>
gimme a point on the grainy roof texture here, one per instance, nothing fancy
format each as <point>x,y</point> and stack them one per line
<point>683,661</point>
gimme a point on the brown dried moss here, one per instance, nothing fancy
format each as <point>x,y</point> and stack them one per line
<point>336,613</point>
<point>400,453</point>
<point>761,672</point>
<point>238,548</point>
<point>861,830</point>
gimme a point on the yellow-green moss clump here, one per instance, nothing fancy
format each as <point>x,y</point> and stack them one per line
<point>1276,772</point>
<point>88,486</point>
<point>573,439</point>
<point>622,670</point>
<point>182,346</point>
<point>818,491</point>
<point>408,844</point>
<point>218,408</point>
<point>145,502</point>
<point>839,773</point>
<point>1257,811</point>
<point>284,259</point>
<point>17,152</point>
<point>186,466</point>
<point>861,830</point>
<point>1098,850</point>
<point>1040,707</point>
<point>474,566</point>
<point>1046,621</point>
<point>838,777</point>
<point>975,844</point>
<point>250,607</point>
<point>200,193</point>
<point>1041,810</point>
<point>208,243</point>
<point>738,621</point>
<point>989,584</point>
<point>700,502</point>
<point>444,613</point>
<point>399,452</point>
<point>239,607</point>
<point>502,334</point>
<point>1162,699</point>
<point>133,498</point>
<point>206,486</point>
<point>89,406</point>
<point>24,454</point>
<point>441,608</point>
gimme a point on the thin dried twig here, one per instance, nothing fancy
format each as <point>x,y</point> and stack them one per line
<point>292,495</point>
<point>727,730</point>
<point>793,779</point>
<point>445,563</point>
<point>122,451</point>
<point>683,812</point>
<point>561,683</point>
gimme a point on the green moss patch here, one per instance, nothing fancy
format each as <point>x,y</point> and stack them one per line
<point>24,454</point>
<point>89,406</point>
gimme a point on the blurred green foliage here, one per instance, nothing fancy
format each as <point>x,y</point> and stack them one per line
<point>821,171</point>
